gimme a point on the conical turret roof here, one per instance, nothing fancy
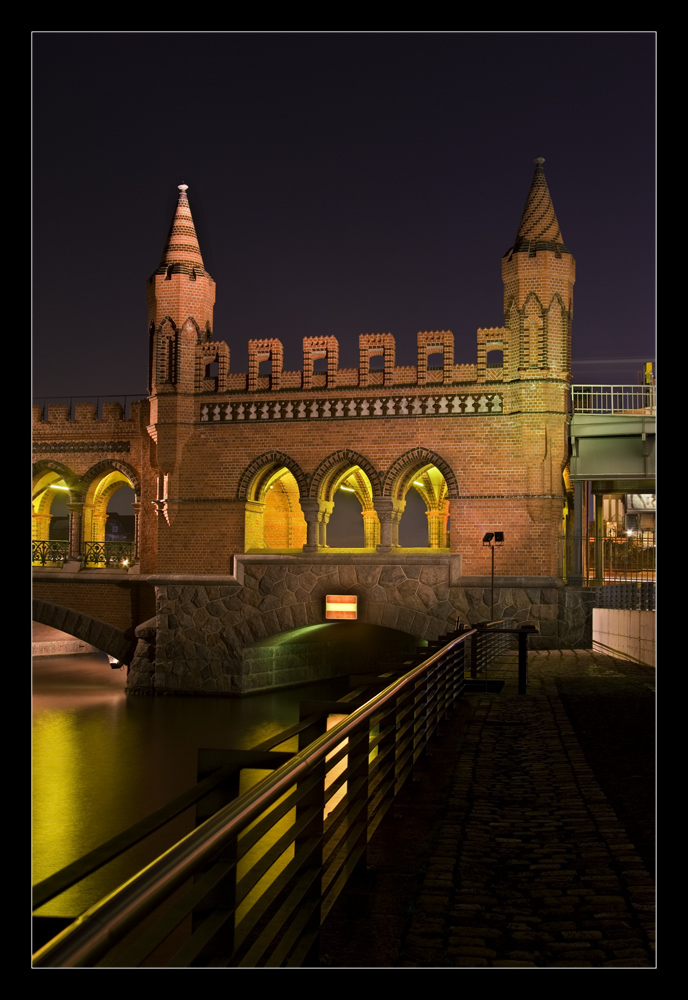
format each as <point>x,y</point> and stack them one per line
<point>539,228</point>
<point>182,254</point>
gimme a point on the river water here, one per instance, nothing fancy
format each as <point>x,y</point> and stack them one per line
<point>103,760</point>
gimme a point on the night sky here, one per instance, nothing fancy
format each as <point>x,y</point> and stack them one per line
<point>340,184</point>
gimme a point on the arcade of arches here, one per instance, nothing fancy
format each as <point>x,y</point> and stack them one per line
<point>347,512</point>
<point>84,518</point>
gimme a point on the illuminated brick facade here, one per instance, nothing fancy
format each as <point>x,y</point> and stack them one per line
<point>225,463</point>
<point>496,433</point>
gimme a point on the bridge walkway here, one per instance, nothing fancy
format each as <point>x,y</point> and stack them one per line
<point>527,838</point>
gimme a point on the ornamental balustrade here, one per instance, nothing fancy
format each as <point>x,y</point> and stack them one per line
<point>49,552</point>
<point>111,555</point>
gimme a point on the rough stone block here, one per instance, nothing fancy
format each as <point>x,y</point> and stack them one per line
<point>391,576</point>
<point>434,575</point>
<point>368,576</point>
<point>347,576</point>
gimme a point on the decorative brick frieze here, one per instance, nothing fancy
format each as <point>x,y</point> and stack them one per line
<point>244,410</point>
<point>55,447</point>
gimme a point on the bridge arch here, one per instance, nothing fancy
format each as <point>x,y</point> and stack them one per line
<point>107,638</point>
<point>399,612</point>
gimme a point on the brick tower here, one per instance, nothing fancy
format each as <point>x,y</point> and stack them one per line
<point>538,272</point>
<point>184,359</point>
<point>181,296</point>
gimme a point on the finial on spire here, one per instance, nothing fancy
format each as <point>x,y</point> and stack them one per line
<point>539,228</point>
<point>182,252</point>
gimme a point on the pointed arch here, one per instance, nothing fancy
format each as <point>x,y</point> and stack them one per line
<point>251,478</point>
<point>398,476</point>
<point>96,489</point>
<point>50,480</point>
<point>108,465</point>
<point>329,472</point>
<point>44,466</point>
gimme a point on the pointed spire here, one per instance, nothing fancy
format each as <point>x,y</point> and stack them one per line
<point>182,254</point>
<point>539,228</point>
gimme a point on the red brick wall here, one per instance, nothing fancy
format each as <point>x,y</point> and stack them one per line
<point>124,605</point>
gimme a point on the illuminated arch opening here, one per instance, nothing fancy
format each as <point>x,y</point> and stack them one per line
<point>274,519</point>
<point>353,522</point>
<point>109,531</point>
<point>50,497</point>
<point>425,491</point>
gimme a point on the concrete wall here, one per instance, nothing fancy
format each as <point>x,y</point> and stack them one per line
<point>630,633</point>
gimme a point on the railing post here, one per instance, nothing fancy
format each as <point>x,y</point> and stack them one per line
<point>224,895</point>
<point>357,790</point>
<point>523,657</point>
<point>313,802</point>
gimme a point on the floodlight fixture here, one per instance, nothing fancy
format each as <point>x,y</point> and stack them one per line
<point>488,537</point>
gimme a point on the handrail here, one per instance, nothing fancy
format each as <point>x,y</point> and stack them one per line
<point>57,883</point>
<point>96,931</point>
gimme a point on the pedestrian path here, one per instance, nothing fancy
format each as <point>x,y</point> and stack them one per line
<point>525,862</point>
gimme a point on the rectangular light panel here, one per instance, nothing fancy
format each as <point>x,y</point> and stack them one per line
<point>341,606</point>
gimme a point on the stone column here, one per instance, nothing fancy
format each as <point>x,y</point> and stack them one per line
<point>311,511</point>
<point>399,507</point>
<point>325,509</point>
<point>389,512</point>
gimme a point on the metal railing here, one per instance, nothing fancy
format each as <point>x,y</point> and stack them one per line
<point>490,645</point>
<point>626,596</point>
<point>617,399</point>
<point>253,883</point>
<point>108,554</point>
<point>490,641</point>
<point>49,552</point>
<point>626,558</point>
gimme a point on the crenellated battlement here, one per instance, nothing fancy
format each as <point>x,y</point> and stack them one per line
<point>85,415</point>
<point>436,365</point>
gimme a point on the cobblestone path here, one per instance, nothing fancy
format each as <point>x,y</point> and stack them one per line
<point>517,858</point>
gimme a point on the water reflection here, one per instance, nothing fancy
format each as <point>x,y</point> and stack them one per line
<point>103,761</point>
